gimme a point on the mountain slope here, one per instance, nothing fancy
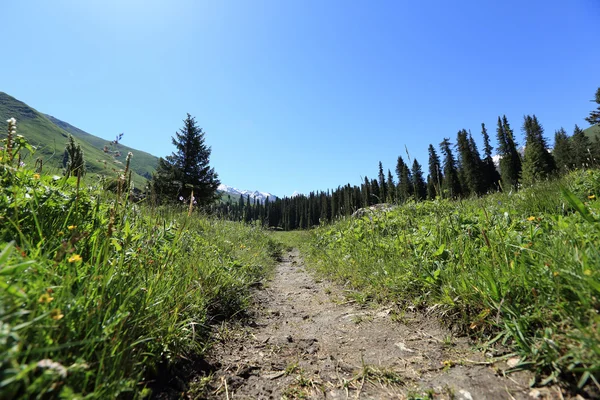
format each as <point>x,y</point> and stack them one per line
<point>50,140</point>
<point>143,163</point>
<point>236,193</point>
<point>592,132</point>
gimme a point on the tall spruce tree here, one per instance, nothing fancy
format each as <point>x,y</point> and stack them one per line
<point>538,163</point>
<point>490,175</point>
<point>510,159</point>
<point>366,193</point>
<point>594,117</point>
<point>563,151</point>
<point>435,177</point>
<point>581,148</point>
<point>451,184</point>
<point>391,188</point>
<point>420,189</point>
<point>405,186</point>
<point>470,164</point>
<point>187,169</point>
<point>382,184</point>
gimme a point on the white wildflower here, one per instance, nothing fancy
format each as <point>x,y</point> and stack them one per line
<point>53,365</point>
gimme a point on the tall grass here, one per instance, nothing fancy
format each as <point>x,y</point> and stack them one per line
<point>521,268</point>
<point>97,292</point>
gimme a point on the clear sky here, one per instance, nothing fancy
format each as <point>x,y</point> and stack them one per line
<point>301,95</point>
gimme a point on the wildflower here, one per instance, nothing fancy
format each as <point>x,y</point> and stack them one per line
<point>592,197</point>
<point>53,365</point>
<point>61,233</point>
<point>45,299</point>
<point>587,272</point>
<point>180,198</point>
<point>56,314</point>
<point>36,176</point>
<point>532,218</point>
<point>71,227</point>
<point>74,258</point>
<point>555,273</point>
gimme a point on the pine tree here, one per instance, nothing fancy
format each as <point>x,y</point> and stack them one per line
<point>563,151</point>
<point>187,169</point>
<point>420,189</point>
<point>391,188</point>
<point>581,146</point>
<point>375,192</point>
<point>510,159</point>
<point>490,175</point>
<point>469,162</point>
<point>73,162</point>
<point>435,177</point>
<point>366,193</point>
<point>382,183</point>
<point>451,184</point>
<point>538,163</point>
<point>405,185</point>
<point>594,117</point>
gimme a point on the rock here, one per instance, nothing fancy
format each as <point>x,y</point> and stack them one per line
<point>403,347</point>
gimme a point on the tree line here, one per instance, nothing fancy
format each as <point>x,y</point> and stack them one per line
<point>455,170</point>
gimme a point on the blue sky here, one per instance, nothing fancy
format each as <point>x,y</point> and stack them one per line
<point>302,95</point>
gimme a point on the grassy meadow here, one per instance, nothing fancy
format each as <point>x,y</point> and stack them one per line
<point>97,294</point>
<point>521,269</point>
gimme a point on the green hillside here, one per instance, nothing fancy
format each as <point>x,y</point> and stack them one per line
<point>592,132</point>
<point>143,163</point>
<point>50,137</point>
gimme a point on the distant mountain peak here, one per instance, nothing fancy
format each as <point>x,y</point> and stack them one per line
<point>254,194</point>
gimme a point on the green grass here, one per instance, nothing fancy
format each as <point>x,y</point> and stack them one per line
<point>518,268</point>
<point>50,140</point>
<point>98,294</point>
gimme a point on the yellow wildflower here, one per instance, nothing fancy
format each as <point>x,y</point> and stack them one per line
<point>61,233</point>
<point>592,196</point>
<point>71,227</point>
<point>74,258</point>
<point>555,273</point>
<point>56,314</point>
<point>587,272</point>
<point>36,176</point>
<point>532,218</point>
<point>45,299</point>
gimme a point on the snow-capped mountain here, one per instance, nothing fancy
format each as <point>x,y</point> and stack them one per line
<point>254,194</point>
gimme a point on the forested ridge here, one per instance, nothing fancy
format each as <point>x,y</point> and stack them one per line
<point>456,170</point>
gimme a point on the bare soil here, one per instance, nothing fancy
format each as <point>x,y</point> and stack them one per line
<point>306,340</point>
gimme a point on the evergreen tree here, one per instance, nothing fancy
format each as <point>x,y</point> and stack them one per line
<point>382,184</point>
<point>73,162</point>
<point>187,169</point>
<point>375,193</point>
<point>420,190</point>
<point>510,159</point>
<point>435,177</point>
<point>538,163</point>
<point>563,151</point>
<point>366,191</point>
<point>594,117</point>
<point>391,188</point>
<point>490,175</point>
<point>581,146</point>
<point>470,164</point>
<point>451,184</point>
<point>405,185</point>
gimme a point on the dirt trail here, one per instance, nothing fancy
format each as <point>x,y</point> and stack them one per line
<point>307,341</point>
